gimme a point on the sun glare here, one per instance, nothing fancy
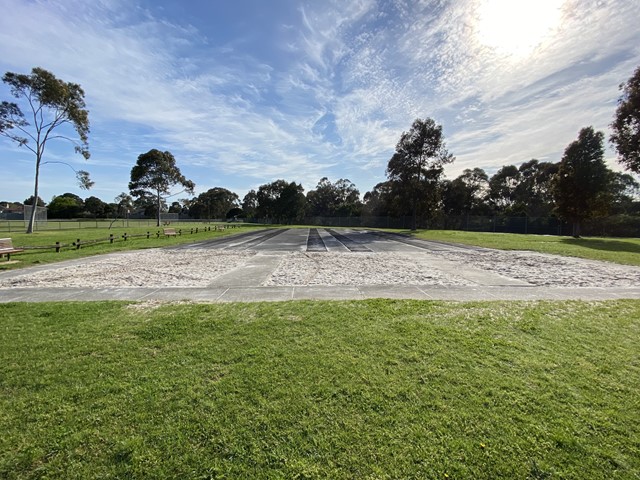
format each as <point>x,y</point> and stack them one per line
<point>516,27</point>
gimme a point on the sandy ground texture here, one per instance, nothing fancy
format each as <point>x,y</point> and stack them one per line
<point>199,267</point>
<point>331,268</point>
<point>140,268</point>
<point>549,270</point>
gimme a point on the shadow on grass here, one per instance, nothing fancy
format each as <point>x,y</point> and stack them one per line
<point>607,245</point>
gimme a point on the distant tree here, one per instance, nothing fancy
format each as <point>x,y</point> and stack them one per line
<point>467,193</point>
<point>582,187</point>
<point>148,205</point>
<point>625,192</point>
<point>534,192</point>
<point>387,199</point>
<point>418,163</point>
<point>250,204</point>
<point>176,207</point>
<point>234,213</point>
<point>52,104</point>
<point>626,124</point>
<point>29,201</point>
<point>154,174</point>
<point>124,204</point>
<point>214,203</point>
<point>503,187</point>
<point>65,207</point>
<point>95,207</point>
<point>341,198</point>
<point>281,201</point>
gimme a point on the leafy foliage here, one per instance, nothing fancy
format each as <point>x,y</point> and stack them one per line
<point>250,204</point>
<point>582,185</point>
<point>339,199</point>
<point>154,174</point>
<point>214,203</point>
<point>418,165</point>
<point>281,201</point>
<point>53,103</point>
<point>626,124</point>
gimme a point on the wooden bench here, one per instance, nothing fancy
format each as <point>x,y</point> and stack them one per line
<point>6,248</point>
<point>170,232</point>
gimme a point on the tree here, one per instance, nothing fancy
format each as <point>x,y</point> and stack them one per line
<point>418,163</point>
<point>626,124</point>
<point>281,201</point>
<point>466,193</point>
<point>386,199</point>
<point>124,203</point>
<point>214,203</point>
<point>154,174</point>
<point>534,192</point>
<point>341,198</point>
<point>250,204</point>
<point>95,207</point>
<point>235,213</point>
<point>65,206</point>
<point>29,201</point>
<point>503,187</point>
<point>625,191</point>
<point>582,187</point>
<point>52,103</point>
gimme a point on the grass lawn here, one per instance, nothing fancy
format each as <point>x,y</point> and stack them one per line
<point>619,250</point>
<point>68,236</point>
<point>363,389</point>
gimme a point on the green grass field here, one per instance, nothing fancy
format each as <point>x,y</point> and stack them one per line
<point>618,250</point>
<point>372,389</point>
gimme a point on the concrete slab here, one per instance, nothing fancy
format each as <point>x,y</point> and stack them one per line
<point>187,294</point>
<point>462,294</point>
<point>393,291</point>
<point>324,292</point>
<point>257,294</point>
<point>252,274</point>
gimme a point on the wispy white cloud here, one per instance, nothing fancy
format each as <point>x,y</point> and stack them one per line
<point>330,93</point>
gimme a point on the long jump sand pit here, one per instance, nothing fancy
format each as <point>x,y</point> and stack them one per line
<point>200,267</point>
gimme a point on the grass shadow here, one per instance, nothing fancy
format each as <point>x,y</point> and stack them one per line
<point>606,245</point>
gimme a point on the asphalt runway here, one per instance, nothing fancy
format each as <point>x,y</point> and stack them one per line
<point>324,240</point>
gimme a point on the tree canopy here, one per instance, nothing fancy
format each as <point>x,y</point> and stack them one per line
<point>52,104</point>
<point>626,124</point>
<point>153,175</point>
<point>418,164</point>
<point>281,201</point>
<point>582,185</point>
<point>214,203</point>
<point>338,199</point>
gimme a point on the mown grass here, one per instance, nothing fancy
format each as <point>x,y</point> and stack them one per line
<point>49,238</point>
<point>371,389</point>
<point>625,251</point>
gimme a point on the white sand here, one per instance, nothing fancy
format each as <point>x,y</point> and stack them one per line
<point>199,267</point>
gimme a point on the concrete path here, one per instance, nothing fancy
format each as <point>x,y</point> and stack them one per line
<point>245,284</point>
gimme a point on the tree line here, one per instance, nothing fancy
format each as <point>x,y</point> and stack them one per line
<point>578,187</point>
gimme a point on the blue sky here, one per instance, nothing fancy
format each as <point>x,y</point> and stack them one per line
<point>245,92</point>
